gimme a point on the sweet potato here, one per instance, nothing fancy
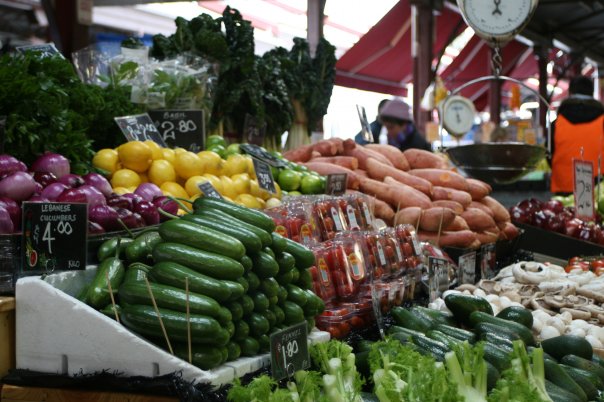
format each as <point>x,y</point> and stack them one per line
<point>349,144</point>
<point>458,224</point>
<point>488,236</point>
<point>348,162</point>
<point>478,189</point>
<point>501,214</point>
<point>315,155</point>
<point>361,173</point>
<point>481,183</point>
<point>452,205</point>
<point>477,219</point>
<point>379,171</point>
<point>509,230</point>
<point>461,239</point>
<point>362,154</point>
<point>483,208</point>
<point>395,195</point>
<point>393,154</point>
<point>302,154</point>
<point>429,219</point>
<point>410,216</point>
<point>450,194</point>
<point>412,197</point>
<point>352,181</point>
<point>339,144</point>
<point>326,148</point>
<point>420,159</point>
<point>442,177</point>
<point>382,210</point>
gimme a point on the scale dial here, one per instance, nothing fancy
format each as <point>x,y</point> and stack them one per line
<point>497,21</point>
<point>458,115</point>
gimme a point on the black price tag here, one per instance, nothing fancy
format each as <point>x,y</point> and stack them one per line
<point>336,184</point>
<point>488,260</point>
<point>262,154</point>
<point>140,127</point>
<point>181,128</point>
<point>467,268</point>
<point>54,237</point>
<point>45,49</point>
<point>289,351</point>
<point>208,190</point>
<point>438,277</point>
<point>252,132</point>
<point>264,176</point>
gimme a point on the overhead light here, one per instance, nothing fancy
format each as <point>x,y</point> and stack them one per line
<point>529,105</point>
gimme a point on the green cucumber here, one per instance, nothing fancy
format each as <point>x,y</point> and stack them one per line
<point>583,364</point>
<point>296,295</point>
<point>141,247</point>
<point>237,290</point>
<point>282,295</point>
<point>264,342</point>
<point>270,317</point>
<point>230,327</point>
<point>244,284</point>
<point>270,287</point>
<point>259,325</point>
<point>253,281</point>
<point>265,266</point>
<point>264,236</point>
<point>517,314</point>
<point>302,278</point>
<point>261,302</point>
<point>303,256</point>
<point>205,262</point>
<point>234,351</point>
<point>583,380</point>
<point>249,239</point>
<point>236,310</point>
<point>457,333</point>
<point>286,262</point>
<point>562,345</point>
<point>293,313</point>
<point>462,306</point>
<point>108,247</point>
<point>407,319</point>
<point>110,272</point>
<point>173,274</point>
<point>286,278</point>
<point>247,304</point>
<point>557,375</point>
<point>242,330</point>
<point>279,244</point>
<point>558,394</point>
<point>136,272</point>
<point>247,263</point>
<point>249,347</point>
<point>251,216</point>
<point>441,317</point>
<point>525,334</point>
<point>279,314</point>
<point>110,311</point>
<point>204,357</point>
<point>201,238</point>
<point>597,359</point>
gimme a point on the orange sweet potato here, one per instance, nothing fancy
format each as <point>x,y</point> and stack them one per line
<point>483,208</point>
<point>348,162</point>
<point>325,148</point>
<point>361,173</point>
<point>302,154</point>
<point>379,171</point>
<point>406,195</point>
<point>478,189</point>
<point>509,230</point>
<point>393,154</point>
<point>450,194</point>
<point>461,239</point>
<point>491,235</point>
<point>362,154</point>
<point>442,177</point>
<point>458,224</point>
<point>328,168</point>
<point>429,219</point>
<point>453,205</point>
<point>420,159</point>
<point>478,220</point>
<point>501,214</point>
<point>382,210</point>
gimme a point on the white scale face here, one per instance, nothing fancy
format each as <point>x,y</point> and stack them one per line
<point>458,115</point>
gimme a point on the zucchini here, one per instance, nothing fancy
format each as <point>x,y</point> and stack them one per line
<point>303,256</point>
<point>583,380</point>
<point>525,334</point>
<point>462,306</point>
<point>264,237</point>
<point>405,318</point>
<point>492,376</point>
<point>449,341</point>
<point>517,314</point>
<point>591,376</point>
<point>264,265</point>
<point>497,356</point>
<point>557,375</point>
<point>597,359</point>
<point>558,394</point>
<point>173,274</point>
<point>457,333</point>
<point>403,337</point>
<point>251,216</point>
<point>431,345</point>
<point>205,262</point>
<point>583,364</point>
<point>249,347</point>
<point>546,356</point>
<point>496,334</point>
<point>201,237</point>
<point>204,357</point>
<point>144,320</point>
<point>562,345</point>
<point>249,239</point>
<point>441,317</point>
<point>395,329</point>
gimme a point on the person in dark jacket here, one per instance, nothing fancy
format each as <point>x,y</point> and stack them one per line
<point>376,127</point>
<point>396,117</point>
<point>579,127</point>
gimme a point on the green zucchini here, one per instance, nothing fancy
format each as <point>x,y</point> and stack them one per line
<point>583,380</point>
<point>589,375</point>
<point>441,317</point>
<point>303,256</point>
<point>251,216</point>
<point>430,344</point>
<point>462,306</point>
<point>457,333</point>
<point>525,334</point>
<point>224,218</point>
<point>583,364</point>
<point>204,357</point>
<point>496,334</point>
<point>395,329</point>
<point>557,375</point>
<point>562,345</point>
<point>407,319</point>
<point>558,394</point>
<point>449,341</point>
<point>497,356</point>
<point>249,239</point>
<point>517,314</point>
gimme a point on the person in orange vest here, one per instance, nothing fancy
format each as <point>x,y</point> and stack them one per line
<point>580,125</point>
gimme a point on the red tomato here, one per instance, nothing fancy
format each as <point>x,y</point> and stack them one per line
<point>599,271</point>
<point>357,322</point>
<point>575,260</point>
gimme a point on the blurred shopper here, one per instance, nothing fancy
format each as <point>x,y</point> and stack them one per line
<point>396,116</point>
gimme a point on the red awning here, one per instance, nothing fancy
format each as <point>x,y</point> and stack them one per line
<point>381,61</point>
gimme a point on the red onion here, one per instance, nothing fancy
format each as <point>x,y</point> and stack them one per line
<point>94,228</point>
<point>148,191</point>
<point>6,224</point>
<point>13,209</point>
<point>167,205</point>
<point>140,221</point>
<point>93,196</point>
<point>99,182</point>
<point>44,178</point>
<point>38,188</point>
<point>53,191</point>
<point>105,216</point>
<point>73,195</point>
<point>72,180</point>
<point>117,201</point>
<point>53,163</point>
<point>19,186</point>
<point>128,218</point>
<point>132,197</point>
<point>148,211</point>
<point>9,164</point>
<point>38,198</point>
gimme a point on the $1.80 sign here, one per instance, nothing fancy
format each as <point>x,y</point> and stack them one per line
<point>289,351</point>
<point>584,189</point>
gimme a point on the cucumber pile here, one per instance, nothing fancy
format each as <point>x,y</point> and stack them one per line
<point>245,282</point>
<point>572,371</point>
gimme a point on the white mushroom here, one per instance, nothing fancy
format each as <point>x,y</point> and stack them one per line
<point>538,324</point>
<point>580,324</point>
<point>480,293</point>
<point>504,302</point>
<point>449,292</point>
<point>576,331</point>
<point>566,317</point>
<point>549,332</point>
<point>595,342</point>
<point>557,323</point>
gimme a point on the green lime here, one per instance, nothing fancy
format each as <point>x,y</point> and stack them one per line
<point>219,149</point>
<point>276,154</point>
<point>311,185</point>
<point>289,180</point>
<point>233,149</point>
<point>275,171</point>
<point>294,193</point>
<point>215,140</point>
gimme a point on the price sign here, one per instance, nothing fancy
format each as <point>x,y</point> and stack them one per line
<point>208,190</point>
<point>467,268</point>
<point>54,237</point>
<point>438,277</point>
<point>262,154</point>
<point>584,189</point>
<point>252,132</point>
<point>289,351</point>
<point>140,127</point>
<point>181,128</point>
<point>488,260</point>
<point>44,50</point>
<point>264,176</point>
<point>336,184</point>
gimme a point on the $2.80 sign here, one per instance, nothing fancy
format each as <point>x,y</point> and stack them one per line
<point>584,189</point>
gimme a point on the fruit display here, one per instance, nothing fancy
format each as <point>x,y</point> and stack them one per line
<point>413,186</point>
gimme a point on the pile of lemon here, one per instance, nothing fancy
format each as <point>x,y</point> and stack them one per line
<point>178,173</point>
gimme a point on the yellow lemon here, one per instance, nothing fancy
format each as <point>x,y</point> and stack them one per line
<point>248,200</point>
<point>169,155</point>
<point>135,155</point>
<point>272,203</point>
<point>179,150</point>
<point>256,191</point>
<point>121,190</point>
<point>106,159</point>
<point>227,198</point>
<point>188,164</point>
<point>216,182</point>
<point>196,196</point>
<point>228,188</point>
<point>161,171</point>
<point>279,194</point>
<point>156,150</point>
<point>131,189</point>
<point>174,189</point>
<point>192,185</point>
<point>212,162</point>
<point>235,164</point>
<point>250,166</point>
<point>262,202</point>
<point>125,178</point>
<point>241,183</point>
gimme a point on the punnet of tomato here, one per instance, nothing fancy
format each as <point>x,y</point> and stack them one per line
<point>336,321</point>
<point>322,282</point>
<point>351,206</point>
<point>279,216</point>
<point>591,263</point>
<point>329,217</point>
<point>299,221</point>
<point>348,267</point>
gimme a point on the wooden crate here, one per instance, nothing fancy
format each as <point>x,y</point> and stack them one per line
<point>7,334</point>
<point>11,393</point>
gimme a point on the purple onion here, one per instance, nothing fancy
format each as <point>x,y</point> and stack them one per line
<point>93,196</point>
<point>128,218</point>
<point>94,228</point>
<point>72,180</point>
<point>132,197</point>
<point>9,165</point>
<point>105,216</point>
<point>38,188</point>
<point>73,195</point>
<point>53,191</point>
<point>18,186</point>
<point>44,178</point>
<point>53,163</point>
<point>38,198</point>
<point>118,201</point>
<point>148,191</point>
<point>14,210</point>
<point>140,221</point>
<point>167,205</point>
<point>148,211</point>
<point>6,223</point>
<point>99,182</point>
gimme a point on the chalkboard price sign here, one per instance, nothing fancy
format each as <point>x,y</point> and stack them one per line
<point>336,184</point>
<point>289,351</point>
<point>264,176</point>
<point>45,49</point>
<point>208,190</point>
<point>261,153</point>
<point>140,127</point>
<point>181,128</point>
<point>54,237</point>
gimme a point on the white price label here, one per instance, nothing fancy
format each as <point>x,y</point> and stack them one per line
<point>467,268</point>
<point>584,189</point>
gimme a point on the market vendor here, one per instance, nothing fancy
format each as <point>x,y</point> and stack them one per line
<point>396,116</point>
<point>580,125</point>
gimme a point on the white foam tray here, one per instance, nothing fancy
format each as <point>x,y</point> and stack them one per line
<point>56,333</point>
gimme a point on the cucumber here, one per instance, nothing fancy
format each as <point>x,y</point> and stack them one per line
<point>230,327</point>
<point>303,256</point>
<point>557,375</point>
<point>463,305</point>
<point>583,380</point>
<point>449,341</point>
<point>207,263</point>
<point>517,314</point>
<point>279,244</point>
<point>249,347</point>
<point>441,317</point>
<point>265,266</point>
<point>253,281</point>
<point>496,334</point>
<point>264,342</point>
<point>282,295</point>
<point>497,356</point>
<point>201,237</point>
<point>108,248</point>
<point>236,289</point>
<point>457,333</point>
<point>270,252</point>
<point>236,310</point>
<point>136,272</point>
<point>364,346</point>
<point>173,274</point>
<point>403,337</point>
<point>247,304</point>
<point>234,351</point>
<point>270,317</point>
<point>249,239</point>
<point>110,311</point>
<point>583,364</point>
<point>492,376</point>
<point>302,278</point>
<point>421,314</point>
<point>204,357</point>
<point>144,320</point>
<point>264,237</point>
<point>395,329</point>
<point>530,350</point>
<point>247,263</point>
<point>590,376</point>
<point>110,271</point>
<point>597,359</point>
<point>293,313</point>
<point>244,284</point>
<point>261,302</point>
<point>406,319</point>
<point>173,298</point>
<point>259,325</point>
<point>242,331</point>
<point>296,295</point>
<point>251,216</point>
<point>558,394</point>
<point>141,247</point>
<point>431,345</point>
<point>286,278</point>
<point>286,262</point>
<point>270,287</point>
<point>525,334</point>
<point>562,345</point>
<point>279,314</point>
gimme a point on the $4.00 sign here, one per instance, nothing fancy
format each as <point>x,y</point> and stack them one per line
<point>584,189</point>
